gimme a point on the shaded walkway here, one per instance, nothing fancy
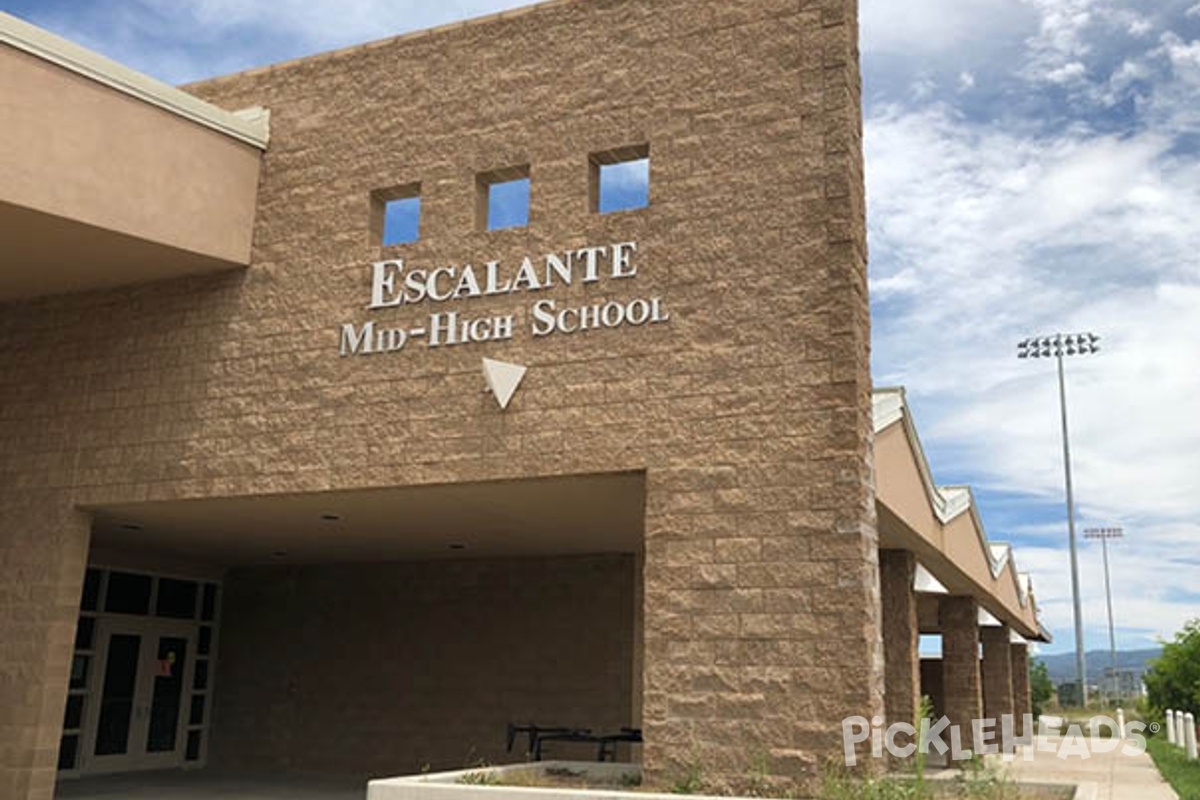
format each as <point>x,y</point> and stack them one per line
<point>204,785</point>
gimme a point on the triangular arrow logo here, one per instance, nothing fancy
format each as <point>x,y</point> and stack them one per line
<point>503,379</point>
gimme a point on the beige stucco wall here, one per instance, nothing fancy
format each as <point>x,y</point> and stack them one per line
<point>750,411</point>
<point>82,151</point>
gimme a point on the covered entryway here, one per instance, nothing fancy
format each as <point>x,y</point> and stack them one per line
<point>353,634</point>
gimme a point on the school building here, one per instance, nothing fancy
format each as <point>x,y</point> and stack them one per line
<point>516,371</point>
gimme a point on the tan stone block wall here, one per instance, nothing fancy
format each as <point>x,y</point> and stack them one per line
<point>901,636</point>
<point>750,411</point>
<point>1022,698</point>
<point>386,669</point>
<point>43,554</point>
<point>961,690</point>
<point>997,672</point>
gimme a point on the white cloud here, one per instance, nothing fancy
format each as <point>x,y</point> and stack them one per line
<point>1066,73</point>
<point>987,227</point>
<point>921,28</point>
<point>1183,55</point>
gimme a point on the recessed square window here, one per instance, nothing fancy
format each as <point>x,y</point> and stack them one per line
<point>396,214</point>
<point>620,179</point>
<point>502,199</point>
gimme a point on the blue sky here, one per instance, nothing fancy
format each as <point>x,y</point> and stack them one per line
<point>1033,166</point>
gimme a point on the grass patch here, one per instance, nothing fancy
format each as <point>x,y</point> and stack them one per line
<point>974,782</point>
<point>1176,769</point>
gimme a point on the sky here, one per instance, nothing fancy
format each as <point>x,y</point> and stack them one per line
<point>1033,167</point>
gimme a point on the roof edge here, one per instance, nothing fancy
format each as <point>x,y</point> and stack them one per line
<point>889,406</point>
<point>40,43</point>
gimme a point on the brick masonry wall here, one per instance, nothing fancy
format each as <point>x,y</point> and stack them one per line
<point>750,411</point>
<point>386,669</point>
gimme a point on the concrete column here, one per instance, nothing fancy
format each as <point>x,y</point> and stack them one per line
<point>1022,695</point>
<point>959,618</point>
<point>997,672</point>
<point>902,661</point>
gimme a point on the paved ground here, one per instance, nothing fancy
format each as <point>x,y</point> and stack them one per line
<point>203,785</point>
<point>1116,776</point>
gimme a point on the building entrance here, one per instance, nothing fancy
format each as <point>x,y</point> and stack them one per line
<point>140,685</point>
<point>138,722</point>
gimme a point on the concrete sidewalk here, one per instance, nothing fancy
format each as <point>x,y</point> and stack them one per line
<point>1116,776</point>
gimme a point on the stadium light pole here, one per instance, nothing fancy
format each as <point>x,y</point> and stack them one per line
<point>1104,534</point>
<point>1058,346</point>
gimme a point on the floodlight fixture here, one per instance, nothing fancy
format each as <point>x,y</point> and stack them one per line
<point>1104,534</point>
<point>1060,346</point>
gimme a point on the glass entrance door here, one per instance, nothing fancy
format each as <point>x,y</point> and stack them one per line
<point>138,720</point>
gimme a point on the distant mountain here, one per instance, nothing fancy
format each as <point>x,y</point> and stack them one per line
<point>1061,666</point>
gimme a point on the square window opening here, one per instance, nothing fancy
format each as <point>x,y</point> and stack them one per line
<point>620,179</point>
<point>396,215</point>
<point>502,199</point>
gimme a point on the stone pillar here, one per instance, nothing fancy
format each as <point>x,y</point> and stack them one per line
<point>997,672</point>
<point>902,662</point>
<point>959,618</point>
<point>1022,696</point>
<point>997,677</point>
